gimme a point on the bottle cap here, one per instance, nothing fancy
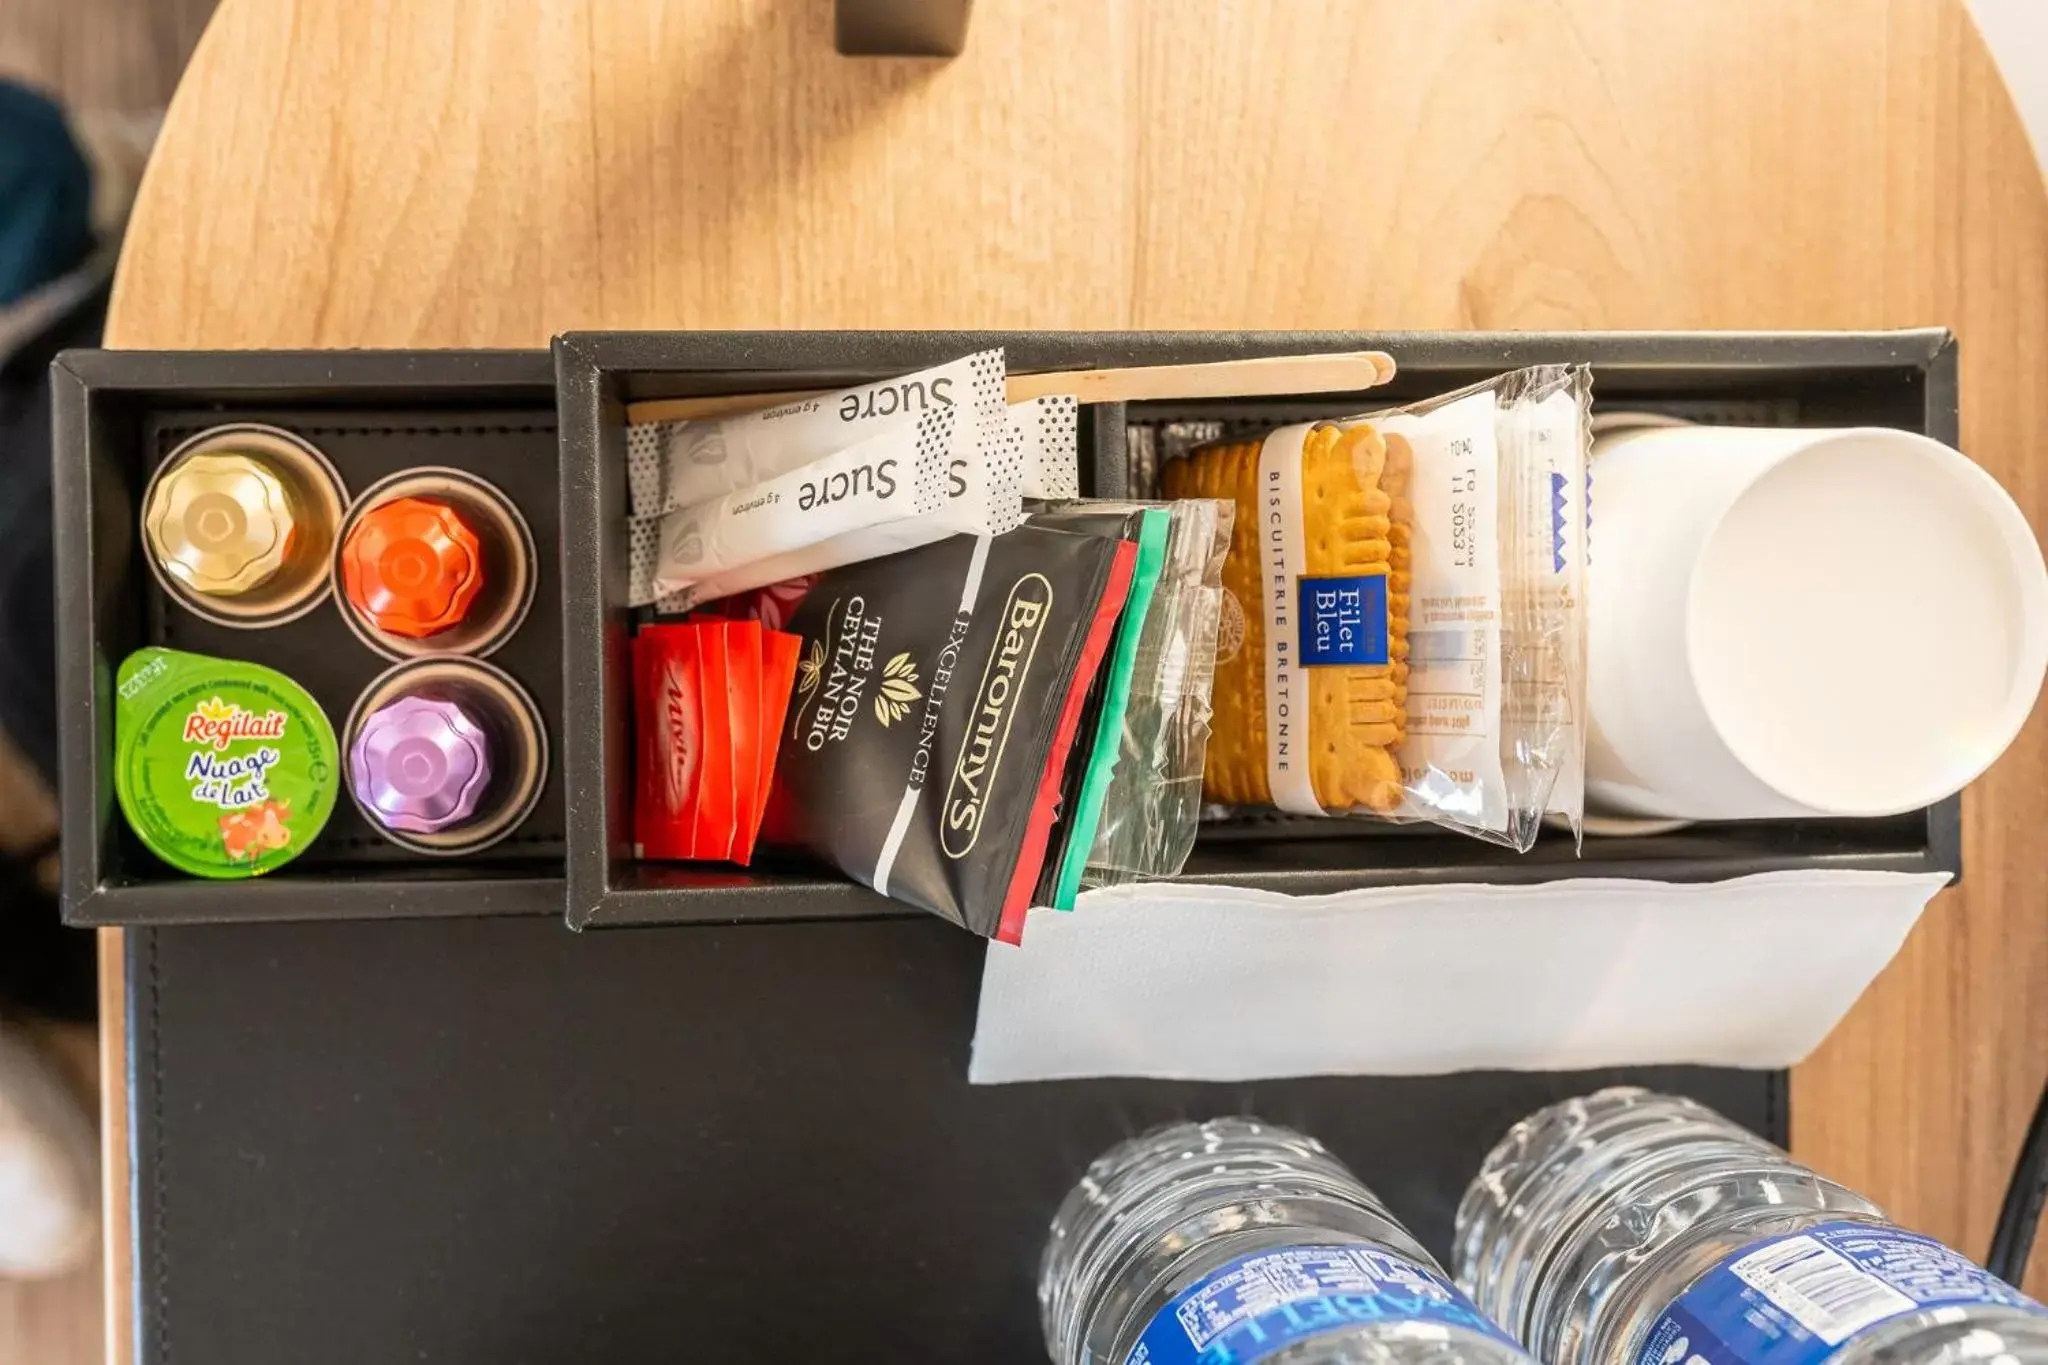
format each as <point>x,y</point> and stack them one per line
<point>420,764</point>
<point>220,523</point>
<point>223,769</point>
<point>412,567</point>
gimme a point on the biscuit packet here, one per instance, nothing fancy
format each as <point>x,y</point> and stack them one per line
<point>1402,629</point>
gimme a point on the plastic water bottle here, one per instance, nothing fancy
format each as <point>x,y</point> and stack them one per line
<point>1629,1228</point>
<point>1236,1241</point>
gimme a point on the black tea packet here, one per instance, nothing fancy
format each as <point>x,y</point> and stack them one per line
<point>1121,521</point>
<point>937,694</point>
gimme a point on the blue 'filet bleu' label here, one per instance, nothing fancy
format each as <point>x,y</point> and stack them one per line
<point>1795,1300</point>
<point>1343,620</point>
<point>1257,1305</point>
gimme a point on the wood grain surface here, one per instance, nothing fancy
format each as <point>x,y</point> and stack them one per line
<point>97,55</point>
<point>433,173</point>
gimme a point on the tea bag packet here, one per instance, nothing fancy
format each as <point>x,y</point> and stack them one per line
<point>1151,811</point>
<point>1401,631</point>
<point>895,475</point>
<point>1048,436</point>
<point>1124,522</point>
<point>779,651</point>
<point>938,693</point>
<point>1091,765</point>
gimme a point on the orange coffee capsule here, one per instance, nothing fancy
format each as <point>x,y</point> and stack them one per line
<point>412,567</point>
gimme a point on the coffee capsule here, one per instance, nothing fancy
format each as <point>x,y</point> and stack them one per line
<point>239,524</point>
<point>446,756</point>
<point>411,567</point>
<point>222,768</point>
<point>434,561</point>
<point>420,763</point>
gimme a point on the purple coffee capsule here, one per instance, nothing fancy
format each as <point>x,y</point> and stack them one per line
<point>419,764</point>
<point>447,755</point>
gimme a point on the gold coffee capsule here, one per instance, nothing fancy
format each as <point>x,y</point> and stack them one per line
<point>222,524</point>
<point>239,524</point>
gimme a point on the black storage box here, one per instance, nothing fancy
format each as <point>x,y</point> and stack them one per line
<point>1899,379</point>
<point>118,413</point>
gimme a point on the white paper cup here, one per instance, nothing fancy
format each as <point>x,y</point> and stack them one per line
<point>1788,622</point>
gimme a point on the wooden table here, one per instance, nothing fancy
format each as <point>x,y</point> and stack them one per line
<point>336,174</point>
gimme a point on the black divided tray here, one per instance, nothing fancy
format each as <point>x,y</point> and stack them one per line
<point>117,413</point>
<point>1899,379</point>
<point>118,416</point>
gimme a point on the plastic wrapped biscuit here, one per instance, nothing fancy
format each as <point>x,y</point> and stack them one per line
<point>1346,713</point>
<point>1402,628</point>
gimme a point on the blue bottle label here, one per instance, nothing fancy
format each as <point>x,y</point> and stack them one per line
<point>1797,1299</point>
<point>1260,1304</point>
<point>1343,620</point>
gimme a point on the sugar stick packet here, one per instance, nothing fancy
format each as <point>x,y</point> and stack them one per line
<point>672,465</point>
<point>1048,436</point>
<point>1005,475</point>
<point>895,475</point>
<point>681,463</point>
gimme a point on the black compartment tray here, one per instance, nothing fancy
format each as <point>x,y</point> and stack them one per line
<point>1898,379</point>
<point>117,415</point>
<point>495,412</point>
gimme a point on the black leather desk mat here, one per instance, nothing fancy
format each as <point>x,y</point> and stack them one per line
<point>496,1141</point>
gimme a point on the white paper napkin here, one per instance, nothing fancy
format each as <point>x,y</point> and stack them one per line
<point>1214,984</point>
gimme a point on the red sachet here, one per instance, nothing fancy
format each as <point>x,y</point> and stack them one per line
<point>712,697</point>
<point>671,725</point>
<point>715,804</point>
<point>779,652</point>
<point>743,721</point>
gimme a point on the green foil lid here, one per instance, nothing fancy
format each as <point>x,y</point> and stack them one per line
<point>224,769</point>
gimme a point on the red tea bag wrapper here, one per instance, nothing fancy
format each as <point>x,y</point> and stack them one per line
<point>743,677</point>
<point>667,687</point>
<point>1045,806</point>
<point>713,837</point>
